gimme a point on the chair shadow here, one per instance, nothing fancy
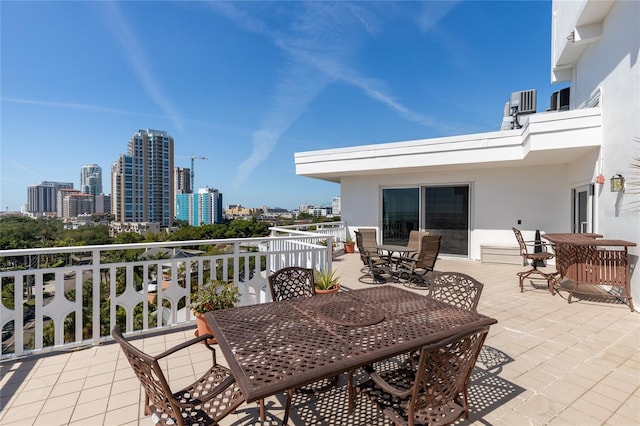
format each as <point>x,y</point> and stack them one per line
<point>487,392</point>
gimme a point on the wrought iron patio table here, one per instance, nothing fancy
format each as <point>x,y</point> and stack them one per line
<point>394,248</point>
<point>274,347</point>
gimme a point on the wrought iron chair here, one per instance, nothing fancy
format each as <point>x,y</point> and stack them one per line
<point>289,283</point>
<point>416,268</point>
<point>208,400</point>
<point>436,393</point>
<point>292,282</point>
<point>375,265</point>
<point>532,259</point>
<point>456,289</point>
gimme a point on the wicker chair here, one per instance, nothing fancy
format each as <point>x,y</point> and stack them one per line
<point>532,259</point>
<point>374,264</point>
<point>456,289</point>
<point>416,268</point>
<point>415,241</point>
<point>207,401</point>
<point>436,393</point>
<point>292,282</point>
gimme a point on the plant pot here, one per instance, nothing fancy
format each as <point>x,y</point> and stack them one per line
<point>350,247</point>
<point>330,291</point>
<point>203,328</point>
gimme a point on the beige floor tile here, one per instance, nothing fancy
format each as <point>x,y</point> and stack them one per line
<point>29,396</point>
<point>98,380</point>
<point>20,414</point>
<point>89,409</point>
<point>123,399</point>
<point>95,420</point>
<point>59,402</point>
<point>53,418</point>
<point>66,388</point>
<point>70,376</point>
<point>125,385</point>
<point>91,394</point>
<point>127,414</point>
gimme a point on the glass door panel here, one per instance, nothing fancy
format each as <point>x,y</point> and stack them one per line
<point>446,213</point>
<point>400,214</point>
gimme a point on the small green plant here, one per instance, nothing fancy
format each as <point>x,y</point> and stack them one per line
<point>325,280</point>
<point>348,238</point>
<point>214,295</point>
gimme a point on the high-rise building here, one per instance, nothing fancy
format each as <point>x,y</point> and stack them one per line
<point>91,181</point>
<point>72,203</point>
<point>142,188</point>
<point>182,180</point>
<point>42,198</point>
<point>102,204</point>
<point>201,208</point>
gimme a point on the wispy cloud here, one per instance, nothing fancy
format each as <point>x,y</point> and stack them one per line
<point>320,43</point>
<point>71,105</point>
<point>138,60</point>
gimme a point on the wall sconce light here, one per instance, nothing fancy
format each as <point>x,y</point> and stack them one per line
<point>617,183</point>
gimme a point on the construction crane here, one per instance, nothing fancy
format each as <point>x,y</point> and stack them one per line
<point>193,175</point>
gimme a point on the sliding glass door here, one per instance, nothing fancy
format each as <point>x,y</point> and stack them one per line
<point>441,210</point>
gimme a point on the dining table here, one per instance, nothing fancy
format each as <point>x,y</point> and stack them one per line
<point>278,346</point>
<point>391,249</point>
<point>589,261</point>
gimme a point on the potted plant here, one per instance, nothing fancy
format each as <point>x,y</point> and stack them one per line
<point>326,282</point>
<point>211,296</point>
<point>349,244</point>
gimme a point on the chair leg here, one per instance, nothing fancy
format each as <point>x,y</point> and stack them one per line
<point>351,392</point>
<point>262,410</point>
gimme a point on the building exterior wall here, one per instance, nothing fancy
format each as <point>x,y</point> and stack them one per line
<point>526,178</point>
<point>143,180</point>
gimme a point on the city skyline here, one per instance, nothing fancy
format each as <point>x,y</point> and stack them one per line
<point>249,84</point>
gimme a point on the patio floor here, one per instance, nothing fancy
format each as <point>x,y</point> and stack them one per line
<point>546,362</point>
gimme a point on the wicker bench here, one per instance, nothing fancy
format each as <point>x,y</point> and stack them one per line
<point>587,268</point>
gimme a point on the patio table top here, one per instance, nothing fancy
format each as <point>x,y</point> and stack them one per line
<point>273,347</point>
<point>586,239</point>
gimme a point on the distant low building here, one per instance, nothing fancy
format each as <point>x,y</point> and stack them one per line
<point>141,228</point>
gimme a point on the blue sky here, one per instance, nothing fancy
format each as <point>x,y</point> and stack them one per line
<point>248,84</point>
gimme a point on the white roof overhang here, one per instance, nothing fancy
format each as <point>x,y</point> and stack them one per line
<point>547,138</point>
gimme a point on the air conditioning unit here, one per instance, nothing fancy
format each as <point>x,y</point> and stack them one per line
<point>523,102</point>
<point>560,100</point>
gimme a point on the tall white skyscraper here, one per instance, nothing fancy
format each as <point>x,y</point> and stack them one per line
<point>142,188</point>
<point>91,181</point>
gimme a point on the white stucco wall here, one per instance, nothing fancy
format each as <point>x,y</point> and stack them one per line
<point>499,197</point>
<point>611,63</point>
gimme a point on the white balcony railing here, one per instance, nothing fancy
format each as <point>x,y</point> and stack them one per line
<point>50,301</point>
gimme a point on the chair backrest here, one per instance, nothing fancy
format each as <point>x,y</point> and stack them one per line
<point>429,250</point>
<point>456,289</point>
<point>415,239</point>
<point>369,239</point>
<point>521,243</point>
<point>292,282</point>
<point>150,376</point>
<point>444,369</point>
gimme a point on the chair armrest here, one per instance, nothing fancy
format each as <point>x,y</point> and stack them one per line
<point>186,345</point>
<point>385,386</point>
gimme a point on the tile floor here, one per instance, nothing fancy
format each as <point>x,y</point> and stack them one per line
<point>546,362</point>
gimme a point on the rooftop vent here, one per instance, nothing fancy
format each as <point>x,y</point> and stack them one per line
<point>523,102</point>
<point>520,103</point>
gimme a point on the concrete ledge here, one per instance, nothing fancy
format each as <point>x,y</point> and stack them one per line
<point>500,254</point>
